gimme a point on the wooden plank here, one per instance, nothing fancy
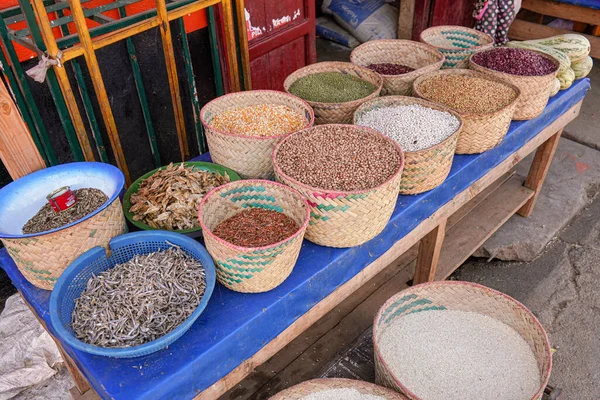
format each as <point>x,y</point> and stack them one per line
<point>337,296</point>
<point>167,44</point>
<point>18,152</point>
<point>89,395</point>
<point>563,10</point>
<point>523,30</point>
<point>230,48</point>
<point>347,321</point>
<point>485,219</point>
<point>243,41</point>
<point>421,17</point>
<point>429,254</point>
<point>406,15</point>
<point>538,171</point>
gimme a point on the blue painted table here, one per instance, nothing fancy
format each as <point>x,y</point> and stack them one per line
<point>239,331</point>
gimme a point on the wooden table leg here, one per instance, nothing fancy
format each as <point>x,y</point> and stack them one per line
<point>429,254</point>
<point>538,171</point>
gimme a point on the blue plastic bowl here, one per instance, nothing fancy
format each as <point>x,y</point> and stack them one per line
<point>74,280</point>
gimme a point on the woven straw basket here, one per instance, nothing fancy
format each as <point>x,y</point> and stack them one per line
<point>456,43</point>
<point>535,90</point>
<point>336,113</point>
<point>42,259</point>
<point>461,296</point>
<point>424,169</point>
<point>248,156</point>
<point>345,218</point>
<point>252,269</point>
<point>419,56</point>
<point>314,386</point>
<point>480,132</point>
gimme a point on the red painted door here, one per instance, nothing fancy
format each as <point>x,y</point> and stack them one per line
<point>281,39</point>
<point>442,12</point>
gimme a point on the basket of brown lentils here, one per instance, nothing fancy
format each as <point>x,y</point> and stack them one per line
<point>427,132</point>
<point>334,89</point>
<point>253,230</point>
<point>485,103</point>
<point>350,176</point>
<point>242,128</point>
<point>399,62</point>
<point>531,71</point>
<point>456,43</point>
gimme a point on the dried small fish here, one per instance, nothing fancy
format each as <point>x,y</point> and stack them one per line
<point>140,300</point>
<point>169,199</point>
<point>88,201</point>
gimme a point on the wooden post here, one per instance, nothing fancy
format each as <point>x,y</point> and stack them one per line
<point>429,254</point>
<point>406,15</point>
<point>17,149</point>
<point>539,170</point>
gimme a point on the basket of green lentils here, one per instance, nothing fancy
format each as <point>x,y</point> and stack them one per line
<point>486,105</point>
<point>334,89</point>
<point>427,132</point>
<point>243,128</point>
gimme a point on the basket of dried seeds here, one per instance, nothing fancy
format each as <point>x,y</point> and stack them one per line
<point>243,128</point>
<point>470,341</point>
<point>485,103</point>
<point>399,62</point>
<point>168,197</point>
<point>426,132</point>
<point>533,72</point>
<point>456,43</point>
<point>350,176</point>
<point>136,299</point>
<point>253,229</point>
<point>337,389</point>
<point>334,89</point>
<point>43,242</point>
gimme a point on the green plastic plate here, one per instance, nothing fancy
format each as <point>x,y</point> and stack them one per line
<point>198,165</point>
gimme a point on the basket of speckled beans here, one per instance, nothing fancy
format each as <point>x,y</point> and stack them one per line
<point>334,89</point>
<point>426,132</point>
<point>350,176</point>
<point>486,105</point>
<point>533,72</point>
<point>242,128</point>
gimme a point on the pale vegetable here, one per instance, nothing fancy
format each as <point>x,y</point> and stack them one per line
<point>555,87</point>
<point>566,79</point>
<point>561,57</point>
<point>583,67</point>
<point>576,47</point>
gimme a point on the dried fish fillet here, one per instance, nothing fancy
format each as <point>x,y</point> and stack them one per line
<point>169,199</point>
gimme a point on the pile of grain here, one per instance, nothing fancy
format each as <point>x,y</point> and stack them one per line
<point>515,61</point>
<point>331,87</point>
<point>259,120</point>
<point>341,394</point>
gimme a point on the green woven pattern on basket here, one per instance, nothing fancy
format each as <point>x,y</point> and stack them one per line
<point>432,308</point>
<point>246,197</point>
<point>397,303</point>
<point>330,207</point>
<point>393,312</point>
<point>265,206</point>
<point>243,189</point>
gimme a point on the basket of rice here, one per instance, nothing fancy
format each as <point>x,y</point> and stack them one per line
<point>456,43</point>
<point>253,229</point>
<point>427,132</point>
<point>334,89</point>
<point>42,242</point>
<point>242,128</point>
<point>337,389</point>
<point>533,72</point>
<point>486,105</point>
<point>399,62</point>
<point>350,176</point>
<point>470,341</point>
<point>135,299</point>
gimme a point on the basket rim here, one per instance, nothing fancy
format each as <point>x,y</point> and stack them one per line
<point>309,123</point>
<point>405,42</point>
<point>495,292</point>
<point>472,73</point>
<point>338,193</point>
<point>295,192</point>
<point>211,167</point>
<point>336,383</point>
<point>512,76</point>
<point>40,174</point>
<point>149,347</point>
<point>424,103</point>
<point>464,28</point>
<point>287,83</point>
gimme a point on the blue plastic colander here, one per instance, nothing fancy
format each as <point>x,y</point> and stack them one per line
<point>123,248</point>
